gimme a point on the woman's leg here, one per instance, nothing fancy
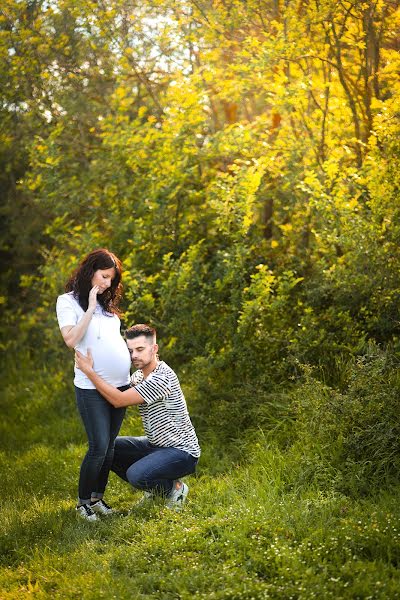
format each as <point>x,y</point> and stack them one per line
<point>158,470</point>
<point>116,418</point>
<point>95,414</point>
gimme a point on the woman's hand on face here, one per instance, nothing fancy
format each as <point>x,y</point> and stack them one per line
<point>93,297</point>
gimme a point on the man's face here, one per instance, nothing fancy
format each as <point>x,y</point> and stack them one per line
<point>142,351</point>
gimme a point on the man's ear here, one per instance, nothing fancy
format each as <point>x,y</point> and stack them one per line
<point>155,348</point>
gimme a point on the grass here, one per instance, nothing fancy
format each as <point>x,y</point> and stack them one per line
<point>249,530</point>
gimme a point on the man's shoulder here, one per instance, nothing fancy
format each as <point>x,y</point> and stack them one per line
<point>164,375</point>
<point>164,369</point>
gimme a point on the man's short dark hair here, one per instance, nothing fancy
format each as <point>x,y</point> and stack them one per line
<point>141,329</point>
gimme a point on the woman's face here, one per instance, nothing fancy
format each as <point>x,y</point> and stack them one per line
<point>103,278</point>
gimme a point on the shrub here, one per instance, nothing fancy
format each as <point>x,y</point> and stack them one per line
<point>349,438</point>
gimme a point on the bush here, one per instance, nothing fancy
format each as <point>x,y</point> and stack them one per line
<point>349,438</point>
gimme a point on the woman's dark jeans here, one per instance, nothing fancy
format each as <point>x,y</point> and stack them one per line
<point>102,423</point>
<point>148,467</point>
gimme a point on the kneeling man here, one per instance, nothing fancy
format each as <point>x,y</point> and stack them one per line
<point>153,463</point>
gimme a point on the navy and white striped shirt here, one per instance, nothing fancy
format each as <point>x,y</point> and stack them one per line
<point>164,412</point>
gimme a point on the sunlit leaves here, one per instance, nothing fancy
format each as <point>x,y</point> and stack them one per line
<point>199,142</point>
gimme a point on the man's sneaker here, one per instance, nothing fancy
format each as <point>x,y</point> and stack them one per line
<point>177,497</point>
<point>84,511</point>
<point>101,508</point>
<point>147,496</point>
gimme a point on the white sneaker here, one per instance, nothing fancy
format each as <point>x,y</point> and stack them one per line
<point>84,511</point>
<point>147,496</point>
<point>143,500</point>
<point>177,497</point>
<point>101,508</point>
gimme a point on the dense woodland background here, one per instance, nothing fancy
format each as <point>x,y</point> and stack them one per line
<point>242,158</point>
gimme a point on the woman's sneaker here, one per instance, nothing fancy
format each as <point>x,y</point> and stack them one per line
<point>84,511</point>
<point>101,508</point>
<point>177,497</point>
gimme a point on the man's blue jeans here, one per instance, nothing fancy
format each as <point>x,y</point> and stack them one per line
<point>148,467</point>
<point>102,423</point>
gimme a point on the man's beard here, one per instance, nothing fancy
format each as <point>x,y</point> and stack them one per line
<point>140,364</point>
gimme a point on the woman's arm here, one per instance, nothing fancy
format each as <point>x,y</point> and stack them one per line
<point>73,334</point>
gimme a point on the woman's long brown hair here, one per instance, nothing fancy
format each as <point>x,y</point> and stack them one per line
<point>80,282</point>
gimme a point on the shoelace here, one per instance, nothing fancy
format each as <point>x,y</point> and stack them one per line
<point>87,509</point>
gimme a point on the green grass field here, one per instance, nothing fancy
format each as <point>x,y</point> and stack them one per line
<point>249,529</point>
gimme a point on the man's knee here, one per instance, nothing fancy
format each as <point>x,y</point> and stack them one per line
<point>117,450</point>
<point>123,448</point>
<point>119,470</point>
<point>135,477</point>
<point>121,459</point>
<point>140,476</point>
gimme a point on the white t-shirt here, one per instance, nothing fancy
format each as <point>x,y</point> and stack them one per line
<point>109,350</point>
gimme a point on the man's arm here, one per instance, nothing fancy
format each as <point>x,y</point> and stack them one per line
<point>117,398</point>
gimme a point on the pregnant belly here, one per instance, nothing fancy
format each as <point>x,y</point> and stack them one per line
<point>112,363</point>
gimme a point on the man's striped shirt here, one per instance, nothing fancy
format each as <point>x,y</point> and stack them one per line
<point>164,412</point>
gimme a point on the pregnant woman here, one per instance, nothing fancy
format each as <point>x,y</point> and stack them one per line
<point>88,318</point>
